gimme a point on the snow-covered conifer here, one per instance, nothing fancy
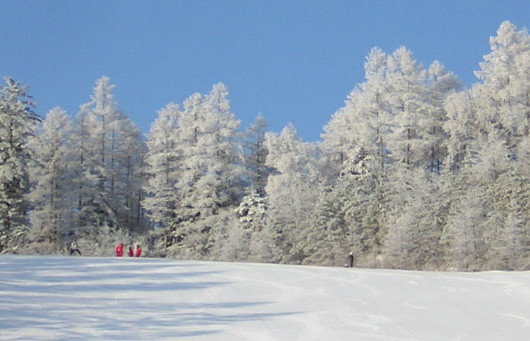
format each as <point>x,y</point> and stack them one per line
<point>161,168</point>
<point>210,174</point>
<point>256,155</point>
<point>109,150</point>
<point>292,191</point>
<point>17,124</point>
<point>51,176</point>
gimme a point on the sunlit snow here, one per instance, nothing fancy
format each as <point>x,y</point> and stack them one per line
<point>82,298</point>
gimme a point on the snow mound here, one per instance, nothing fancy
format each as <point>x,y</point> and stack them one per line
<point>64,298</point>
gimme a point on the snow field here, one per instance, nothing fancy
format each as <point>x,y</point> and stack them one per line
<point>65,298</point>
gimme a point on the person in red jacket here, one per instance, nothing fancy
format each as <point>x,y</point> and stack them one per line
<point>138,252</point>
<point>119,250</point>
<point>130,252</point>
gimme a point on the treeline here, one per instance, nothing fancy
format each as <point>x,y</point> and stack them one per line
<point>413,172</point>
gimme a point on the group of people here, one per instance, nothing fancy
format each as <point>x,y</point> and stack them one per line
<point>136,253</point>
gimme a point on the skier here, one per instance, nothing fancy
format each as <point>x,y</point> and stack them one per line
<point>138,250</point>
<point>119,250</point>
<point>130,251</point>
<point>350,260</point>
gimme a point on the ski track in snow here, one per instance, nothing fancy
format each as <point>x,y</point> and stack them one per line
<point>80,298</point>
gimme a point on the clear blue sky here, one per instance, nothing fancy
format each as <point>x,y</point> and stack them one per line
<point>292,60</point>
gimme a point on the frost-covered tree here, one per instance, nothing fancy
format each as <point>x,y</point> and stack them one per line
<point>364,121</point>
<point>392,122</point>
<point>256,155</point>
<point>500,107</point>
<point>462,133</point>
<point>462,242</point>
<point>412,113</point>
<point>210,174</point>
<point>503,96</point>
<point>223,137</point>
<point>363,190</point>
<point>129,175</point>
<point>162,164</point>
<point>327,238</point>
<point>51,196</point>
<point>441,85</point>
<point>252,216</point>
<point>109,150</point>
<point>17,124</point>
<point>487,128</point>
<point>506,224</point>
<point>350,216</point>
<point>292,190</point>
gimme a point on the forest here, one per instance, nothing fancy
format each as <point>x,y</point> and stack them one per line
<point>414,171</point>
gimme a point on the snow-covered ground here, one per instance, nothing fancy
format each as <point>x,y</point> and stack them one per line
<point>82,298</point>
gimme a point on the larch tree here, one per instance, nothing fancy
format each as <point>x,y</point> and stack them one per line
<point>292,191</point>
<point>364,121</point>
<point>256,155</point>
<point>501,103</point>
<point>441,85</point>
<point>108,146</point>
<point>411,110</point>
<point>128,177</point>
<point>252,208</point>
<point>162,164</point>
<point>51,195</point>
<point>210,172</point>
<point>503,96</point>
<point>359,134</point>
<point>17,124</point>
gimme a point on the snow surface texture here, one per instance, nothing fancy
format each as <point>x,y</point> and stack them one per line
<point>82,298</point>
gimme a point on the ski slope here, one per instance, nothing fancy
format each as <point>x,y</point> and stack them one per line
<point>82,298</point>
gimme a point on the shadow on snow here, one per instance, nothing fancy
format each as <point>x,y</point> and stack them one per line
<point>67,297</point>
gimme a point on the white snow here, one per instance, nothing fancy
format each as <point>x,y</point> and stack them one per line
<point>83,298</point>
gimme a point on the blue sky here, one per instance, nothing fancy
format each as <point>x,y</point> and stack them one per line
<point>294,61</point>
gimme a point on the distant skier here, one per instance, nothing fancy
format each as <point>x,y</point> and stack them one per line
<point>119,250</point>
<point>138,252</point>
<point>130,252</point>
<point>72,249</point>
<point>350,260</point>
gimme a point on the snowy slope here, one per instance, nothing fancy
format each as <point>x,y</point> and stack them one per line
<point>80,298</point>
